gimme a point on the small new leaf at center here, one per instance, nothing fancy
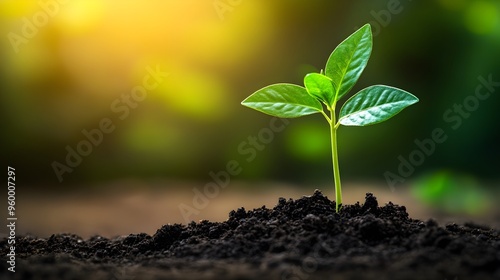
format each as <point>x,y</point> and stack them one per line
<point>320,87</point>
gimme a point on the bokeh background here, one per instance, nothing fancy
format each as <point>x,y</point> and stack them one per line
<point>80,56</point>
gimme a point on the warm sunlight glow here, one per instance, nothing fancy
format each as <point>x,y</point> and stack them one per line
<point>78,16</point>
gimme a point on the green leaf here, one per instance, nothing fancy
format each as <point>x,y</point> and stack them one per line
<point>284,101</point>
<point>374,104</point>
<point>320,87</point>
<point>348,60</point>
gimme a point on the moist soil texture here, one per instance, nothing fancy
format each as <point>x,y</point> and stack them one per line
<point>297,239</point>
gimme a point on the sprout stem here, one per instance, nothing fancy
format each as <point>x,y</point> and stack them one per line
<point>335,160</point>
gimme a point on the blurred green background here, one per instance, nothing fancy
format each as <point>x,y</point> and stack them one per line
<point>85,54</point>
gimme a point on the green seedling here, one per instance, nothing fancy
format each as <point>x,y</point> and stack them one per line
<point>323,90</point>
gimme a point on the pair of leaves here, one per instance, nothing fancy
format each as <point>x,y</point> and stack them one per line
<point>344,66</point>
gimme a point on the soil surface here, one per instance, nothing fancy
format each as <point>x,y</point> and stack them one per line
<point>297,239</point>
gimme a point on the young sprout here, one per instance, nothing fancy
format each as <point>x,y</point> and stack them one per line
<point>369,106</point>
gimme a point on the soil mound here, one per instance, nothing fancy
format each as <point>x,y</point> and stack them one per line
<point>297,239</point>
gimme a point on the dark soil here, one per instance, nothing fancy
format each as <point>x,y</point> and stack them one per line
<point>297,239</point>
